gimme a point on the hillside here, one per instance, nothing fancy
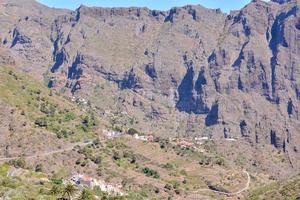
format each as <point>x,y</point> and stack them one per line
<point>217,94</point>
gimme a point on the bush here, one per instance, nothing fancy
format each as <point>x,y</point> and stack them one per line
<point>117,129</point>
<point>130,156</point>
<point>55,190</point>
<point>84,163</point>
<point>116,155</point>
<point>78,161</point>
<point>150,172</point>
<point>57,181</point>
<point>18,163</point>
<point>41,122</point>
<point>38,168</point>
<point>169,166</point>
<point>176,185</point>
<point>163,143</point>
<point>69,116</point>
<point>8,183</point>
<point>205,160</point>
<point>88,122</point>
<point>132,131</point>
<point>168,186</point>
<point>177,191</point>
<point>216,187</point>
<point>48,108</point>
<point>220,161</point>
<point>44,109</point>
<point>97,159</point>
<point>96,142</point>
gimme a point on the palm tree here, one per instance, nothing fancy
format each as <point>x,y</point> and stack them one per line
<point>86,195</point>
<point>69,190</point>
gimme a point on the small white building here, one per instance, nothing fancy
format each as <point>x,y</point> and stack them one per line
<point>112,134</point>
<point>86,181</point>
<point>201,138</point>
<point>148,138</point>
<point>230,139</point>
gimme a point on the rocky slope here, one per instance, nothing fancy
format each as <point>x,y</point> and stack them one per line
<point>186,71</point>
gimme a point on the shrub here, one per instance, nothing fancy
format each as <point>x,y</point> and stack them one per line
<point>38,168</point>
<point>168,186</point>
<point>176,185</point>
<point>44,108</point>
<point>41,122</point>
<point>220,161</point>
<point>55,190</point>
<point>8,183</point>
<point>69,116</point>
<point>132,131</point>
<point>84,163</point>
<point>116,155</point>
<point>97,159</point>
<point>205,160</point>
<point>117,129</point>
<point>150,172</point>
<point>169,166</point>
<point>96,142</point>
<point>130,156</point>
<point>78,161</point>
<point>18,163</point>
<point>57,181</point>
<point>88,122</point>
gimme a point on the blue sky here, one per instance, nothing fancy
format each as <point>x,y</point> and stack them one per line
<point>225,5</point>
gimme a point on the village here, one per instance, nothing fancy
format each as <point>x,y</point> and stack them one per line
<point>184,143</point>
<point>83,181</point>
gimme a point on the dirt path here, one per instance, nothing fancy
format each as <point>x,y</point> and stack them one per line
<point>230,193</point>
<point>68,148</point>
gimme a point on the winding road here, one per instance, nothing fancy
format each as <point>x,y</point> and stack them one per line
<point>68,148</point>
<point>230,193</point>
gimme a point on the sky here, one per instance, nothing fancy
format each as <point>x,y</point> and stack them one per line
<point>225,5</point>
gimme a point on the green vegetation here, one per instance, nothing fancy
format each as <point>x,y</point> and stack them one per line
<point>31,185</point>
<point>69,116</point>
<point>69,191</point>
<point>132,131</point>
<point>45,108</point>
<point>150,172</point>
<point>214,187</point>
<point>86,195</point>
<point>287,190</point>
<point>170,166</point>
<point>18,163</point>
<point>210,160</point>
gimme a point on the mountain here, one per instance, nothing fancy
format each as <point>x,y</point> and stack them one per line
<point>186,72</point>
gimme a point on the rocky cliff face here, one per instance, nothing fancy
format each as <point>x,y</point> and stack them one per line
<point>188,71</point>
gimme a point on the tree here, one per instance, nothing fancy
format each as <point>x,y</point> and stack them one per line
<point>69,191</point>
<point>86,195</point>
